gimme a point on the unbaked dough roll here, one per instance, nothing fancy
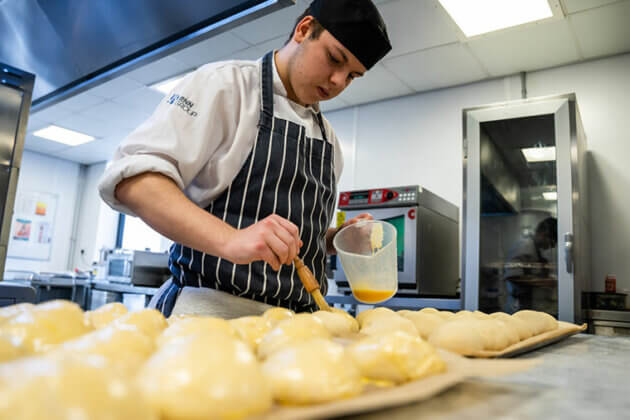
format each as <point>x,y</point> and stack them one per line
<point>461,336</point>
<point>299,328</point>
<point>102,316</point>
<point>395,357</point>
<point>194,326</point>
<point>148,321</point>
<point>338,322</point>
<point>496,335</point>
<point>446,315</point>
<point>312,371</point>
<point>523,329</point>
<point>251,329</point>
<point>368,314</point>
<point>124,349</point>
<point>278,314</point>
<point>10,348</point>
<point>8,312</point>
<point>210,376</point>
<point>540,321</point>
<point>429,311</point>
<point>69,387</point>
<point>46,325</point>
<point>425,322</point>
<point>388,323</point>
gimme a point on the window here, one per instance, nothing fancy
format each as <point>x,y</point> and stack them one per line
<point>133,233</point>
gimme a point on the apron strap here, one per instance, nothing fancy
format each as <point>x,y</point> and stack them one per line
<point>266,100</point>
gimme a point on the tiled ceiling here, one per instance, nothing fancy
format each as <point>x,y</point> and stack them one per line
<point>429,52</point>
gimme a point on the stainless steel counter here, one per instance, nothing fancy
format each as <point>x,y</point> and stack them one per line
<point>582,377</point>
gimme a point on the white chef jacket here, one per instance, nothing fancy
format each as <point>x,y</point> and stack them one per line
<point>202,132</point>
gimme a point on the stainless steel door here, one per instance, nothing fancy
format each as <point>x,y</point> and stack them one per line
<point>521,198</point>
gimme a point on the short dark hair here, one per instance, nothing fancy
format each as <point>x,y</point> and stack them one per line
<point>549,229</point>
<point>317,27</point>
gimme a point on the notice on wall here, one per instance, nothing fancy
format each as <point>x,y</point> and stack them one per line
<point>32,226</point>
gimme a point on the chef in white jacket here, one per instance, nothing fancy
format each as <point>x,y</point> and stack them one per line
<point>238,166</point>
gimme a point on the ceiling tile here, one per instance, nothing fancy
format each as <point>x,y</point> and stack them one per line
<point>378,83</point>
<point>35,124</point>
<point>435,68</point>
<point>81,101</point>
<point>52,113</point>
<point>159,70</point>
<point>520,49</point>
<point>333,104</point>
<point>416,25</point>
<point>278,23</point>
<point>89,153</point>
<point>210,50</point>
<point>38,144</point>
<point>115,87</point>
<point>144,99</point>
<point>251,53</point>
<point>89,125</point>
<point>603,31</point>
<point>116,114</point>
<point>573,6</point>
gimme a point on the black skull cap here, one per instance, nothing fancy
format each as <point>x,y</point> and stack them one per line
<point>357,24</point>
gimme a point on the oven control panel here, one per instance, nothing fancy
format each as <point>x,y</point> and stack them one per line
<point>380,197</point>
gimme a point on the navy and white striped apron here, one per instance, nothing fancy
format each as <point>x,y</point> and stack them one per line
<point>286,173</point>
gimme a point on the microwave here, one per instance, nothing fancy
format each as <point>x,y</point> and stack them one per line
<point>427,228</point>
<point>140,268</point>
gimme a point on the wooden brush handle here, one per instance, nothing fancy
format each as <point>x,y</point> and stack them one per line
<point>307,278</point>
<point>310,284</point>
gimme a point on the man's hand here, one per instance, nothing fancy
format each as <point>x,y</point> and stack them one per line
<point>330,235</point>
<point>274,240</point>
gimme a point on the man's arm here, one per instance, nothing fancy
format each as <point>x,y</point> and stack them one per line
<point>159,202</point>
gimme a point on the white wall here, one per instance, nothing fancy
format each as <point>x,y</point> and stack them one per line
<point>417,139</point>
<point>40,173</point>
<point>97,222</point>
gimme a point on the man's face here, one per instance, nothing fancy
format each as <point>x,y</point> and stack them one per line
<point>321,68</point>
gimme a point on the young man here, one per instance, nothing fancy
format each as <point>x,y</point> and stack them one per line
<point>238,166</point>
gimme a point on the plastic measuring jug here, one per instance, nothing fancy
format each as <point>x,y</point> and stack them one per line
<point>368,254</point>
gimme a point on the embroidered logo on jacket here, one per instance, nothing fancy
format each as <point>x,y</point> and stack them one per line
<point>184,103</point>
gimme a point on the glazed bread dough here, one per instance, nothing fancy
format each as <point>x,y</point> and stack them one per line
<point>299,328</point>
<point>312,371</point>
<point>10,311</point>
<point>102,316</point>
<point>193,326</point>
<point>460,336</point>
<point>210,376</point>
<point>148,321</point>
<point>387,323</point>
<point>539,321</point>
<point>124,348</point>
<point>425,322</point>
<point>366,315</point>
<point>275,315</point>
<point>251,329</point>
<point>39,329</point>
<point>69,387</point>
<point>10,348</point>
<point>523,329</point>
<point>395,357</point>
<point>338,322</point>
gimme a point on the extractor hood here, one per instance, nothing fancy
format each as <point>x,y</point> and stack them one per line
<point>73,45</point>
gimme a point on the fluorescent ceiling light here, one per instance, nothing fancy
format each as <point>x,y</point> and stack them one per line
<point>482,16</point>
<point>550,195</point>
<point>539,154</point>
<point>63,135</point>
<point>166,86</point>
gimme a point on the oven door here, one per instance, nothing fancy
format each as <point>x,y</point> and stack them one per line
<point>405,222</point>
